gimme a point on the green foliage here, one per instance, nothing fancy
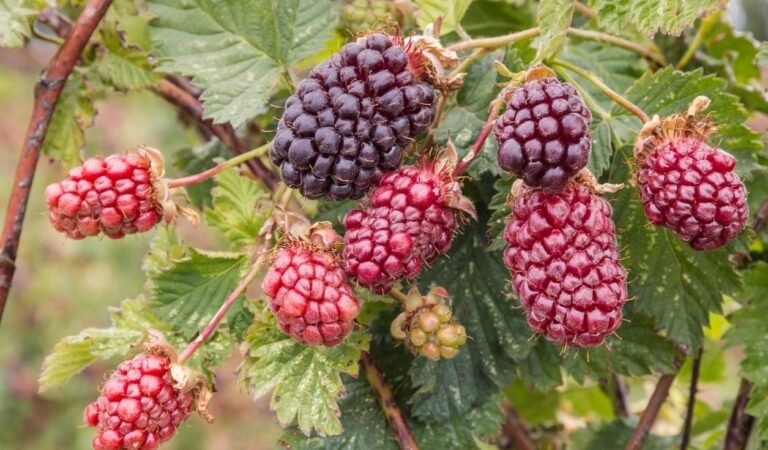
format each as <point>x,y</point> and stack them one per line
<point>450,10</point>
<point>14,21</point>
<point>649,16</point>
<point>554,18</point>
<point>237,50</point>
<point>615,435</point>
<point>238,208</point>
<point>305,380</point>
<point>74,112</point>
<point>121,66</point>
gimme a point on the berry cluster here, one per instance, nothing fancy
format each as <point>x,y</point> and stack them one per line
<point>139,407</point>
<point>692,188</point>
<point>351,120</point>
<point>309,294</point>
<point>112,195</point>
<point>565,265</point>
<point>407,223</point>
<point>543,135</point>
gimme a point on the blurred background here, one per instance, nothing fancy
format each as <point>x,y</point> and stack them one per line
<point>63,286</point>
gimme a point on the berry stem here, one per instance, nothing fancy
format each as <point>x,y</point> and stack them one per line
<point>398,295</point>
<point>640,433</point>
<point>501,41</point>
<point>213,171</point>
<point>610,93</point>
<point>481,138</point>
<point>585,10</point>
<point>388,403</point>
<point>692,391</point>
<point>214,322</point>
<point>740,423</point>
<point>698,39</point>
<point>47,93</point>
<point>514,430</point>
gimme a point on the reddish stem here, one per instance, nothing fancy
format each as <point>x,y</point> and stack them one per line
<point>481,138</point>
<point>47,92</point>
<point>514,430</point>
<point>640,433</point>
<point>219,316</point>
<point>740,423</point>
<point>693,389</point>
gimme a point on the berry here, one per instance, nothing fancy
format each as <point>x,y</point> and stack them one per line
<point>113,195</point>
<point>139,407</point>
<point>565,265</point>
<point>543,135</point>
<point>692,189</point>
<point>309,294</point>
<point>364,15</point>
<point>351,120</point>
<point>427,326</point>
<point>408,222</point>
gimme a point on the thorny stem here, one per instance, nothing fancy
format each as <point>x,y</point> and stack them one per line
<point>501,41</point>
<point>213,171</point>
<point>648,417</point>
<point>388,403</point>
<point>740,423</point>
<point>692,391</point>
<point>214,322</point>
<point>481,138</point>
<point>610,93</point>
<point>514,430</point>
<point>47,93</point>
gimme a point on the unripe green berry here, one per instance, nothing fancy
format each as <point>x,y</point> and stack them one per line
<point>449,352</point>
<point>397,327</point>
<point>418,337</point>
<point>448,336</point>
<point>429,322</point>
<point>431,351</point>
<point>443,312</point>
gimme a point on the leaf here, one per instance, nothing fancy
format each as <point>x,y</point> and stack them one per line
<point>122,67</point>
<point>749,330</point>
<point>495,18</point>
<point>236,50</point>
<point>615,435</point>
<point>305,379</point>
<point>554,18</point>
<point>239,208</point>
<point>762,55</point>
<point>73,353</point>
<point>650,16</point>
<point>74,112</point>
<point>14,22</point>
<point>450,10</point>
<point>189,293</point>
<point>166,248</point>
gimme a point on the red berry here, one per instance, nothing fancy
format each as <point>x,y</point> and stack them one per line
<point>352,120</point>
<point>565,265</point>
<point>309,294</point>
<point>543,135</point>
<point>138,405</point>
<point>113,195</point>
<point>692,189</point>
<point>408,222</point>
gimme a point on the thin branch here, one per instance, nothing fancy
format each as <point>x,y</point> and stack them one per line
<point>515,431</point>
<point>213,171</point>
<point>740,423</point>
<point>692,391</point>
<point>388,403</point>
<point>481,138</point>
<point>47,92</point>
<point>616,389</point>
<point>610,93</point>
<point>698,39</point>
<point>585,10</point>
<point>217,318</point>
<point>226,134</point>
<point>640,433</point>
<point>496,42</point>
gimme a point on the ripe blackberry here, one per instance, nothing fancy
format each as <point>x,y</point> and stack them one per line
<point>565,265</point>
<point>139,407</point>
<point>543,135</point>
<point>309,294</point>
<point>352,119</point>
<point>427,325</point>
<point>113,195</point>
<point>408,221</point>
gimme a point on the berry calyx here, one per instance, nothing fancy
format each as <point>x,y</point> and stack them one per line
<point>116,195</point>
<point>352,119</point>
<point>564,262</point>
<point>139,406</point>
<point>543,135</point>
<point>427,325</point>
<point>309,294</point>
<point>408,221</point>
<point>688,186</point>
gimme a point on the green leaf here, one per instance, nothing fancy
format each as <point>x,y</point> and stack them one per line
<point>73,353</point>
<point>166,248</point>
<point>554,18</point>
<point>239,208</point>
<point>649,16</point>
<point>237,50</point>
<point>122,67</point>
<point>305,379</point>
<point>494,17</point>
<point>451,10</point>
<point>749,330</point>
<point>615,435</point>
<point>762,55</point>
<point>74,112</point>
<point>188,294</point>
<point>14,22</point>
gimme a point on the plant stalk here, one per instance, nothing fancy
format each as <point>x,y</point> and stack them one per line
<point>477,147</point>
<point>692,391</point>
<point>648,417</point>
<point>740,423</point>
<point>213,171</point>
